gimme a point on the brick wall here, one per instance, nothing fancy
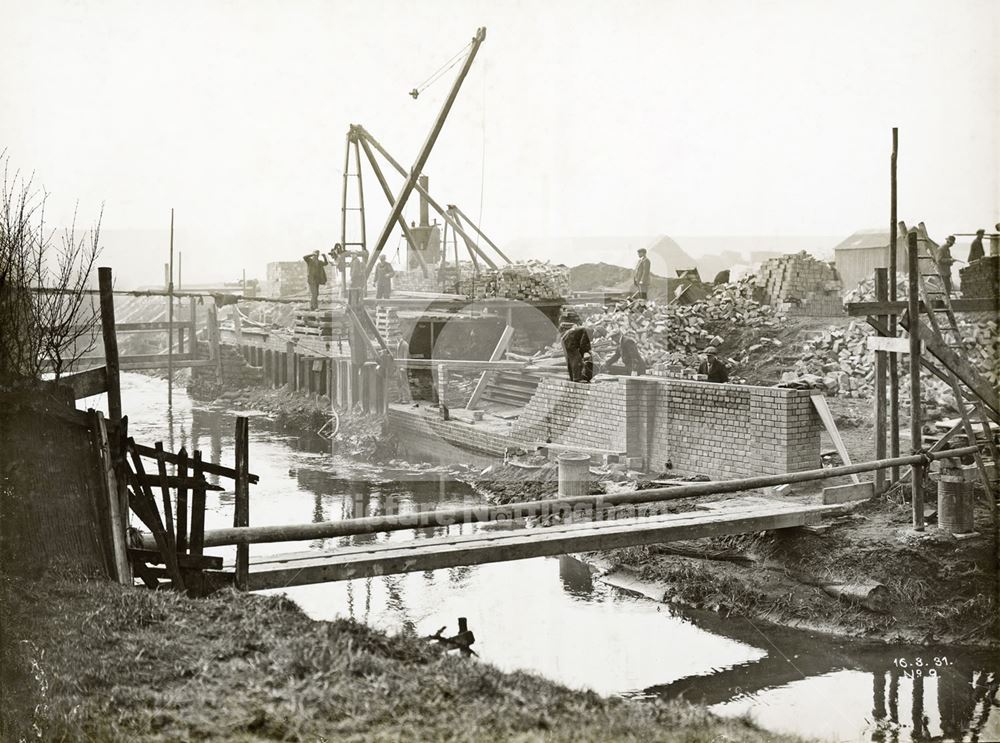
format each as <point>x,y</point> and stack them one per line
<point>981,278</point>
<point>730,430</point>
<point>575,414</point>
<point>722,430</point>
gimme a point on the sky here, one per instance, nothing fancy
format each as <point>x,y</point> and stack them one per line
<point>578,118</point>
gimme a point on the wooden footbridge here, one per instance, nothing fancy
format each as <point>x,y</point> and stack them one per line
<point>585,523</point>
<point>368,560</point>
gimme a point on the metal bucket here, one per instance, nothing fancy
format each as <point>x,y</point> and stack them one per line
<point>955,504</point>
<point>574,474</point>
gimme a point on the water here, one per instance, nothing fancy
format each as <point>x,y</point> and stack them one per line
<point>552,617</point>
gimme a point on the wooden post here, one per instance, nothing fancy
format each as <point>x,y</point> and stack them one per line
<point>193,328</point>
<point>213,338</point>
<point>197,544</point>
<point>881,294</point>
<point>242,516</point>
<point>893,320</point>
<point>442,370</point>
<point>290,365</point>
<point>123,569</point>
<point>916,440</point>
<point>237,325</point>
<point>110,336</point>
<point>182,502</point>
<point>170,317</point>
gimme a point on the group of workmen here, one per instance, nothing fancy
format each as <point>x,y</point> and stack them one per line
<point>945,260</point>
<point>577,340</point>
<point>316,274</point>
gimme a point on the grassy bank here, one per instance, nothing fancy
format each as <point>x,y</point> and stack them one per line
<point>91,661</point>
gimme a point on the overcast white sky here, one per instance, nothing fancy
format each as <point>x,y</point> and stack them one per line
<point>578,118</point>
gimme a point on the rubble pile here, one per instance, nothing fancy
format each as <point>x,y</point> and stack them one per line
<point>980,331</point>
<point>840,358</point>
<point>672,334</point>
<point>800,285</point>
<point>524,280</point>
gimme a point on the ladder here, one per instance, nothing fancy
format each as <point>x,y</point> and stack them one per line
<point>348,226</point>
<point>937,301</point>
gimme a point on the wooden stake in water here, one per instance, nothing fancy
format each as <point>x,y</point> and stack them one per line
<point>170,318</point>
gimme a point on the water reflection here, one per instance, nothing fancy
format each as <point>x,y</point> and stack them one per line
<point>551,616</point>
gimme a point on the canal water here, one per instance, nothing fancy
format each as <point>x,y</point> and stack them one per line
<point>551,616</point>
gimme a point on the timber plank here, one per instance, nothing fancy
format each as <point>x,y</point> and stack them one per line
<point>206,467</point>
<point>278,571</point>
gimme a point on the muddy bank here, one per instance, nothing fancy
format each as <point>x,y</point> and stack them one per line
<point>352,433</point>
<point>89,660</point>
<point>936,589</point>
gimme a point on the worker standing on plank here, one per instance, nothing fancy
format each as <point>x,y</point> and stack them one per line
<point>642,273</point>
<point>714,369</point>
<point>628,352</point>
<point>315,276</point>
<point>976,248</point>
<point>383,278</point>
<point>576,345</point>
<point>945,261</point>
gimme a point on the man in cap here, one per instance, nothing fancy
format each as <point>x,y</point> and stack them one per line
<point>714,369</point>
<point>383,278</point>
<point>628,352</point>
<point>640,278</point>
<point>944,262</point>
<point>315,276</point>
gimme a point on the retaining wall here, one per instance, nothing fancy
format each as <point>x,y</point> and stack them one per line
<point>722,430</point>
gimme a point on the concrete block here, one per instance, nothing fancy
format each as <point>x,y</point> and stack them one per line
<point>848,493</point>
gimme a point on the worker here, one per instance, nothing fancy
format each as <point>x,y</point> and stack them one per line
<point>945,261</point>
<point>357,289</point>
<point>628,352</point>
<point>711,367</point>
<point>383,278</point>
<point>576,345</point>
<point>976,248</point>
<point>315,276</point>
<point>641,277</point>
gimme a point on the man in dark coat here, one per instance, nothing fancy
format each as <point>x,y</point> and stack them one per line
<point>640,278</point>
<point>714,369</point>
<point>315,276</point>
<point>976,248</point>
<point>576,344</point>
<point>383,278</point>
<point>628,352</point>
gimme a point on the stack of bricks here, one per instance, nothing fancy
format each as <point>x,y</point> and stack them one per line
<point>981,278</point>
<point>801,285</point>
<point>528,280</point>
<point>415,281</point>
<point>575,414</point>
<point>387,323</point>
<point>287,278</point>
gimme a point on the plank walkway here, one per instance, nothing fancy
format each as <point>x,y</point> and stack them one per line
<point>319,566</point>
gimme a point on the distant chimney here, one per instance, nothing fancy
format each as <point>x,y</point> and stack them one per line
<point>424,213</point>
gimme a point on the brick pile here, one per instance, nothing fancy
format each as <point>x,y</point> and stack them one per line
<point>801,285</point>
<point>671,334</point>
<point>524,280</point>
<point>387,323</point>
<point>981,278</point>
